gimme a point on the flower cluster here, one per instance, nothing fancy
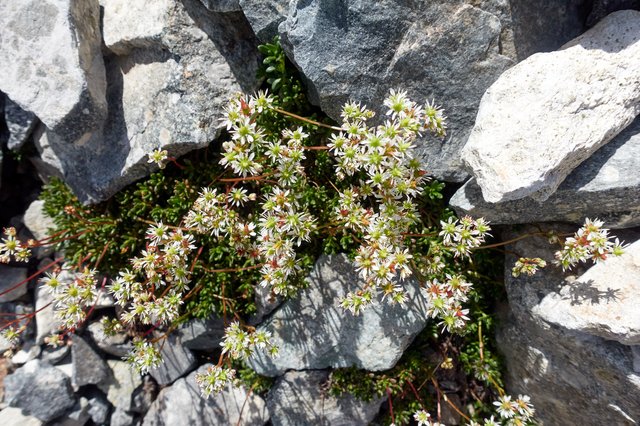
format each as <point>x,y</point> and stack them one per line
<point>74,294</point>
<point>445,301</point>
<point>590,242</point>
<point>11,247</point>
<point>238,344</point>
<point>462,235</point>
<point>153,290</point>
<point>144,356</point>
<point>528,266</point>
<point>518,412</point>
<point>393,176</point>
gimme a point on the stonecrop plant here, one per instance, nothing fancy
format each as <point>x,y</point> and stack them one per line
<point>282,186</point>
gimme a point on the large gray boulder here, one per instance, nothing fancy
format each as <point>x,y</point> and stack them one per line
<point>265,16</point>
<point>62,37</point>
<point>182,404</point>
<point>572,374</point>
<point>176,67</point>
<point>549,113</point>
<point>20,124</point>
<point>443,50</point>
<point>605,186</point>
<point>313,331</point>
<point>40,390</point>
<point>301,398</point>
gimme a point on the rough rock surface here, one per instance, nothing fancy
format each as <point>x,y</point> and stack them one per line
<point>182,404</point>
<point>10,277</point>
<point>37,221</point>
<point>549,113</point>
<point>574,377</point>
<point>121,385</point>
<point>313,331</point>
<point>88,366</point>
<point>40,390</point>
<point>602,302</point>
<point>116,345</point>
<point>203,335</point>
<point>166,90</point>
<point>602,8</point>
<point>444,50</point>
<point>298,398</point>
<point>605,186</point>
<point>70,96</point>
<point>11,416</point>
<point>265,16</point>
<point>20,124</point>
<point>176,361</point>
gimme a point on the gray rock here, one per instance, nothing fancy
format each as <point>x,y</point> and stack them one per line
<point>176,361</point>
<point>544,26</point>
<point>11,416</point>
<point>167,89</point>
<point>37,221</point>
<point>10,277</point>
<point>28,352</point>
<point>266,302</point>
<point>299,398</point>
<point>144,395</point>
<point>202,335</point>
<point>99,409</point>
<point>572,377</point>
<point>120,417</point>
<point>46,321</point>
<point>62,37</point>
<point>117,345</point>
<point>602,302</point>
<point>549,113</point>
<point>121,385</point>
<point>602,8</point>
<point>604,186</point>
<point>232,406</point>
<point>39,390</point>
<point>88,366</point>
<point>77,416</point>
<point>20,123</point>
<point>265,16</point>
<point>444,50</point>
<point>222,5</point>
<point>313,331</point>
<point>53,355</point>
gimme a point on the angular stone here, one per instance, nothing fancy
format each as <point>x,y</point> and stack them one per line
<point>445,50</point>
<point>122,383</point>
<point>605,186</point>
<point>202,335</point>
<point>232,406</point>
<point>120,417</point>
<point>222,5</point>
<point>62,37</point>
<point>39,390</point>
<point>313,331</point>
<point>265,16</point>
<point>20,123</point>
<point>602,302</point>
<point>53,355</point>
<point>88,366</point>
<point>10,277</point>
<point>144,395</point>
<point>37,221</point>
<point>99,409</point>
<point>554,364</point>
<point>11,416</point>
<point>300,398</point>
<point>176,361</point>
<point>168,91</point>
<point>77,416</point>
<point>116,345</point>
<point>266,302</point>
<point>550,112</point>
<point>28,352</point>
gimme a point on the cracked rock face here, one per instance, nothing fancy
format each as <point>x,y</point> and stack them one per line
<point>62,37</point>
<point>443,50</point>
<point>175,67</point>
<point>313,331</point>
<point>549,113</point>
